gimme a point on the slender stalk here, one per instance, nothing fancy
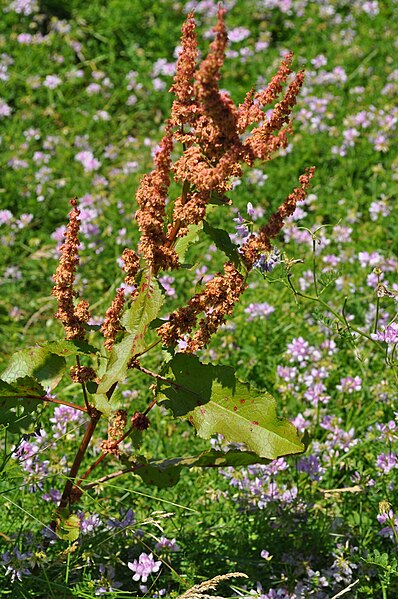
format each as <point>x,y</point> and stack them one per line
<point>336,314</point>
<point>107,477</point>
<point>314,266</point>
<point>151,405</point>
<point>376,320</point>
<point>176,227</point>
<point>79,458</point>
<point>104,455</point>
<point>158,377</point>
<point>83,386</point>
<point>45,398</point>
<point>147,349</point>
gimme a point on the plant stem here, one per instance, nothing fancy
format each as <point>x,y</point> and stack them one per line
<point>176,227</point>
<point>337,315</point>
<point>104,454</point>
<point>45,398</point>
<point>107,477</point>
<point>384,591</point>
<point>83,386</point>
<point>158,377</point>
<point>79,458</point>
<point>151,346</point>
<point>314,266</point>
<point>376,321</point>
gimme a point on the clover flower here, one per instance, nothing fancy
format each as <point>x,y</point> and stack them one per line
<point>144,567</point>
<point>261,310</point>
<point>349,384</point>
<point>89,523</point>
<point>16,563</point>
<point>388,335</point>
<point>165,544</point>
<point>386,462</point>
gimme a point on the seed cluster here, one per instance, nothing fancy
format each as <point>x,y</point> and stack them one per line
<point>72,317</point>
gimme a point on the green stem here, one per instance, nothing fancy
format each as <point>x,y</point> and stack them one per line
<point>339,318</point>
<point>147,349</point>
<point>377,314</point>
<point>383,590</point>
<point>314,266</point>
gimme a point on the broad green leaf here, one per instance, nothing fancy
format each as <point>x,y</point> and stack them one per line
<point>70,348</point>
<point>183,243</point>
<point>37,362</point>
<point>223,241</point>
<point>166,473</point>
<point>26,386</point>
<point>68,527</point>
<point>214,401</point>
<point>102,403</point>
<point>136,320</point>
<point>19,404</point>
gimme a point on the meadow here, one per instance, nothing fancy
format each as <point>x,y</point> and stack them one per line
<point>84,98</point>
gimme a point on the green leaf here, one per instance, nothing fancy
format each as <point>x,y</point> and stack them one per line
<point>183,243</point>
<point>70,348</point>
<point>68,527</point>
<point>166,473</point>
<point>19,405</point>
<point>102,403</point>
<point>39,363</point>
<point>136,320</point>
<point>223,241</point>
<point>21,388</point>
<point>214,401</point>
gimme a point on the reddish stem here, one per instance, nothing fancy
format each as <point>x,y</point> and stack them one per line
<point>174,230</point>
<point>78,459</point>
<point>50,400</point>
<point>103,456</point>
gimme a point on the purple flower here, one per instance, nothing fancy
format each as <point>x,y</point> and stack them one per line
<point>370,8</point>
<point>93,88</point>
<point>166,545</point>
<point>266,555</point>
<point>386,462</point>
<point>128,519</point>
<point>319,61</point>
<point>238,34</point>
<point>52,81</point>
<point>6,217</point>
<point>389,335</point>
<point>298,350</point>
<point>166,282</point>
<point>349,384</point>
<point>5,110</point>
<point>287,373</point>
<point>64,415</point>
<point>88,523</point>
<point>389,517</point>
<point>301,423</point>
<point>267,262</point>
<point>16,563</point>
<point>259,311</point>
<point>379,208</point>
<point>86,158</point>
<point>144,566</point>
<point>311,466</point>
<point>24,7</point>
